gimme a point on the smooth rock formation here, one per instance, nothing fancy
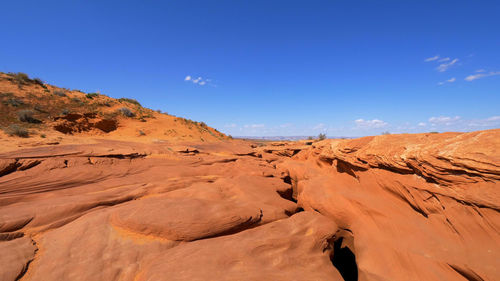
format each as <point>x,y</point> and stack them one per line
<point>396,207</point>
<point>418,207</point>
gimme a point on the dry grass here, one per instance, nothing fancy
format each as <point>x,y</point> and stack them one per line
<point>126,112</point>
<point>16,130</point>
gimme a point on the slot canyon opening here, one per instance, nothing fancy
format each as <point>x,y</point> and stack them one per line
<point>288,193</point>
<point>345,261</point>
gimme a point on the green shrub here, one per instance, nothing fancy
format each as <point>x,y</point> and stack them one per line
<point>6,95</point>
<point>39,109</point>
<point>104,103</point>
<point>14,102</point>
<point>132,101</point>
<point>20,78</point>
<point>60,93</point>
<point>92,95</point>
<point>16,130</point>
<point>43,136</point>
<point>39,82</point>
<point>27,116</point>
<point>321,136</point>
<point>126,112</point>
<point>65,111</point>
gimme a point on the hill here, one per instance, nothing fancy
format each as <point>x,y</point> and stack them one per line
<point>32,109</point>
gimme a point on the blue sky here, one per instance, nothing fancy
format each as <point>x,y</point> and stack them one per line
<point>266,68</point>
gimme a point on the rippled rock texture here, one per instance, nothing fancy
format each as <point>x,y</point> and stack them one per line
<point>396,207</point>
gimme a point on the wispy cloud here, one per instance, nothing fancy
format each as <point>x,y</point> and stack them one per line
<point>479,124</point>
<point>375,123</point>
<point>451,80</point>
<point>443,120</point>
<point>254,126</point>
<point>444,66</point>
<point>200,81</point>
<point>432,58</point>
<point>422,124</point>
<point>319,126</point>
<point>481,75</point>
<point>490,122</point>
<point>232,125</point>
<point>445,63</point>
<point>480,70</point>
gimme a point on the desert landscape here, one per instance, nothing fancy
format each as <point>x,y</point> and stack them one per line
<point>97,188</point>
<point>226,140</point>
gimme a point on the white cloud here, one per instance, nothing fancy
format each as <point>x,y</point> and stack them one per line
<point>474,77</point>
<point>232,125</point>
<point>451,80</point>
<point>446,123</point>
<point>200,81</point>
<point>431,58</point>
<point>443,120</point>
<point>481,75</point>
<point>422,124</point>
<point>444,59</point>
<point>444,66</point>
<point>480,70</point>
<point>375,123</point>
<point>490,122</point>
<point>286,125</point>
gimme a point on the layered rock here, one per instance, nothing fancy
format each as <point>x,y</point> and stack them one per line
<point>418,207</point>
<point>397,207</point>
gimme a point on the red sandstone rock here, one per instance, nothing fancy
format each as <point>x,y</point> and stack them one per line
<point>397,207</point>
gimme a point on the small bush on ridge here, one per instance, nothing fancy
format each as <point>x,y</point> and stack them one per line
<point>60,93</point>
<point>92,95</point>
<point>132,101</point>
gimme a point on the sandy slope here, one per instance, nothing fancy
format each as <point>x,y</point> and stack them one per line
<point>63,116</point>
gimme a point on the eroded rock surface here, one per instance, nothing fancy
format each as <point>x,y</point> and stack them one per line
<point>419,207</point>
<point>398,207</point>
